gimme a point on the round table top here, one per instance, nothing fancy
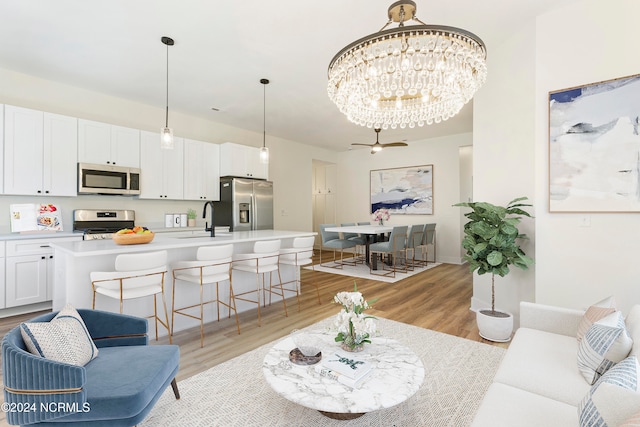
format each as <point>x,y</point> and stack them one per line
<point>397,375</point>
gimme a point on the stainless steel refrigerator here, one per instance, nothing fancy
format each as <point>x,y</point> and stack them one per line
<point>245,204</point>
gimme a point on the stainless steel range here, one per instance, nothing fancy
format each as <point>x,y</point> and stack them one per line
<point>101,224</point>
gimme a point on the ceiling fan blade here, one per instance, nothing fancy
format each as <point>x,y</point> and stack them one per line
<point>395,144</point>
<point>366,145</point>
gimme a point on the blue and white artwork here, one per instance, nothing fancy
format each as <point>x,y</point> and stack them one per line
<point>594,147</point>
<point>403,190</point>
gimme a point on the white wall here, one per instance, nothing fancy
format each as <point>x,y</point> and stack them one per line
<point>503,155</point>
<point>584,42</point>
<point>443,153</point>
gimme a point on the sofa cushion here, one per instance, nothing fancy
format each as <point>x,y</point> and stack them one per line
<point>594,313</point>
<point>606,343</point>
<point>543,363</point>
<point>614,398</point>
<point>506,406</point>
<point>64,338</point>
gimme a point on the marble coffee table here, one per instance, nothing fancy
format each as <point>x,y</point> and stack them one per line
<point>398,374</point>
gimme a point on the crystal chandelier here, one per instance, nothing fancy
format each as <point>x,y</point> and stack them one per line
<point>419,74</point>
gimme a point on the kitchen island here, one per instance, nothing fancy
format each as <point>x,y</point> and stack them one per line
<point>74,261</point>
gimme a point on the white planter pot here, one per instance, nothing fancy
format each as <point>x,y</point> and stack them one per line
<point>497,327</point>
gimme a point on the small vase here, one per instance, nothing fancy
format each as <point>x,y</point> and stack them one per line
<point>191,222</point>
<point>381,222</point>
<point>354,349</point>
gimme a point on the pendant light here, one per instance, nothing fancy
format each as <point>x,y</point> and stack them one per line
<point>166,133</point>
<point>264,151</point>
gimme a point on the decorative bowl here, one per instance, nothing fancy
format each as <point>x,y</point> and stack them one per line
<point>308,344</point>
<point>133,239</point>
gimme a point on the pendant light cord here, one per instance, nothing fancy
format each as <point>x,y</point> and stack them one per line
<point>264,115</point>
<point>167,110</point>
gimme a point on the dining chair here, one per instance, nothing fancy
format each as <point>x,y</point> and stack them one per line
<point>414,240</point>
<point>394,249</point>
<point>299,254</point>
<point>263,260</point>
<point>212,266</point>
<point>136,275</point>
<point>358,238</point>
<point>331,240</point>
<point>429,238</point>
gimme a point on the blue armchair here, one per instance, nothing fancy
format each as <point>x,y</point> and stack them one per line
<point>117,388</point>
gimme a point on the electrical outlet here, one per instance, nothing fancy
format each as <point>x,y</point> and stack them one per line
<point>585,221</point>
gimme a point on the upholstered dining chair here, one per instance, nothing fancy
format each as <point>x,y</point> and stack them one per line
<point>212,266</point>
<point>429,238</point>
<point>395,248</point>
<point>357,238</point>
<point>415,238</point>
<point>331,240</point>
<point>263,260</point>
<point>299,254</point>
<point>136,275</point>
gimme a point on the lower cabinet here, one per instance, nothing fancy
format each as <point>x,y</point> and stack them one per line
<point>28,271</point>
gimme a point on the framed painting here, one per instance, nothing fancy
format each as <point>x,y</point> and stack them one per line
<point>406,190</point>
<point>594,147</point>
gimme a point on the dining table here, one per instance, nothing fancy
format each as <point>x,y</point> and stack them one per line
<point>371,234</point>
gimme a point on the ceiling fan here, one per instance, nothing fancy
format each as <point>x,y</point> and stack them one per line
<point>378,147</point>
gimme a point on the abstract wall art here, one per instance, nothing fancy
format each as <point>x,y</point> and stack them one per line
<point>594,147</point>
<point>407,190</point>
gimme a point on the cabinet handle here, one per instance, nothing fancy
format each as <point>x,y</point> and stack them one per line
<point>39,192</point>
<point>44,257</point>
<point>50,256</point>
<point>45,246</point>
<point>46,191</point>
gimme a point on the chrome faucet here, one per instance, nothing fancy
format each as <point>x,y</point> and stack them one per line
<point>212,229</point>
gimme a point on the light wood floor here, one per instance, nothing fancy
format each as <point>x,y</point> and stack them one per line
<point>436,299</point>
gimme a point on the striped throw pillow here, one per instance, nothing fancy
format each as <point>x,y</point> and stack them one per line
<point>594,313</point>
<point>615,399</point>
<point>606,343</point>
<point>64,339</point>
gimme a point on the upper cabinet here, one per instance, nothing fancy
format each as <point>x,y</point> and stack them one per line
<point>105,144</point>
<point>160,170</point>
<point>242,161</point>
<point>201,171</point>
<point>40,152</point>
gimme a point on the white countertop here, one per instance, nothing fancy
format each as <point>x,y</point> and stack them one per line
<point>163,241</point>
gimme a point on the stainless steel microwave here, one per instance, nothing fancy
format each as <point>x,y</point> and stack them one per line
<point>108,179</point>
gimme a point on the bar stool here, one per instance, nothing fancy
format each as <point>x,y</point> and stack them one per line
<point>212,266</point>
<point>135,276</point>
<point>298,255</point>
<point>263,259</point>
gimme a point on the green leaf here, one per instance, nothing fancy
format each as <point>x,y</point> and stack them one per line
<point>494,258</point>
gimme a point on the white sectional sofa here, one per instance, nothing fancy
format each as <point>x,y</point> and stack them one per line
<point>538,382</point>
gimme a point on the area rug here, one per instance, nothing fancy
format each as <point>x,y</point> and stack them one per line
<point>235,393</point>
<point>362,271</point>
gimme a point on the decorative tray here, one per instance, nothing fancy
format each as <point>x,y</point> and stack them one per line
<point>133,239</point>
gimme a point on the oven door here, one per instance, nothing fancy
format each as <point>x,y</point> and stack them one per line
<point>104,179</point>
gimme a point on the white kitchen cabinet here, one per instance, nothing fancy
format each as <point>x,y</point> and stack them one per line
<point>29,271</point>
<point>242,161</point>
<point>1,147</point>
<point>39,153</point>
<point>2,281</point>
<point>105,144</point>
<point>201,170</point>
<point>161,171</point>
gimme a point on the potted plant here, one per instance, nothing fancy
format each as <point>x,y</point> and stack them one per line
<point>491,241</point>
<point>191,218</point>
